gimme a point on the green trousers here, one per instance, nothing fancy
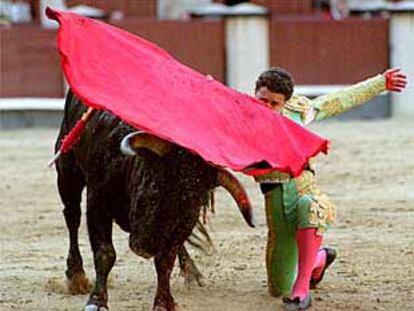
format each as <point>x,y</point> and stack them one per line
<point>281,251</point>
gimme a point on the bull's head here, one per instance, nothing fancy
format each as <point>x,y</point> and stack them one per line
<point>172,185</point>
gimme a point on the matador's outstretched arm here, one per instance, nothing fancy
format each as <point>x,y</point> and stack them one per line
<point>338,102</point>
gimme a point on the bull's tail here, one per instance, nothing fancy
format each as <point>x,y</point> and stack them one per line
<point>200,238</point>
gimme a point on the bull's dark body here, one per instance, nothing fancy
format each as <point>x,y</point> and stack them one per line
<point>156,199</point>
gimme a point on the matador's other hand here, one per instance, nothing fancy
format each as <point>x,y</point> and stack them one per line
<point>395,80</point>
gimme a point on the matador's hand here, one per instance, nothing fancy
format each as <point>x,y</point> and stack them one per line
<point>395,80</point>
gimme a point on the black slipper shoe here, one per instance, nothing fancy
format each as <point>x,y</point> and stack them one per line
<point>330,258</point>
<point>296,304</point>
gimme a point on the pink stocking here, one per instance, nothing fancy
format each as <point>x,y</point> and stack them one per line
<point>319,264</point>
<point>308,246</point>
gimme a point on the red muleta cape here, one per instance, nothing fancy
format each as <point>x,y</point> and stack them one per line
<point>111,69</point>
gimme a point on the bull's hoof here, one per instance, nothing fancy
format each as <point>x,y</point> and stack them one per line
<point>171,307</point>
<point>93,307</point>
<point>97,303</point>
<point>79,284</point>
<point>165,303</point>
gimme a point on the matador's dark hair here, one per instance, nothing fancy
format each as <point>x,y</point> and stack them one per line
<point>277,80</point>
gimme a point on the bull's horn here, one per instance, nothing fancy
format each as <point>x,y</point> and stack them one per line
<point>235,188</point>
<point>141,139</point>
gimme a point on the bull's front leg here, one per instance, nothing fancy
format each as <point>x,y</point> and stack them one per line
<point>100,235</point>
<point>164,264</point>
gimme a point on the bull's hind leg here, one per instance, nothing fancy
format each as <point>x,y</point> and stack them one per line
<point>70,184</point>
<point>100,235</point>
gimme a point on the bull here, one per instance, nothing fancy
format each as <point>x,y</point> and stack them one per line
<point>151,188</point>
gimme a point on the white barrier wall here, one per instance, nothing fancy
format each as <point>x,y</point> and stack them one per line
<point>55,4</point>
<point>247,41</point>
<point>247,50</point>
<point>177,9</point>
<point>402,56</point>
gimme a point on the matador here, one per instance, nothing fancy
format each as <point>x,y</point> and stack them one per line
<point>297,212</point>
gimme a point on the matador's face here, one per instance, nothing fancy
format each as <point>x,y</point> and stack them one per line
<point>274,101</point>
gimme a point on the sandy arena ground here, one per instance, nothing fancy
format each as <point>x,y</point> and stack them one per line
<point>369,174</point>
